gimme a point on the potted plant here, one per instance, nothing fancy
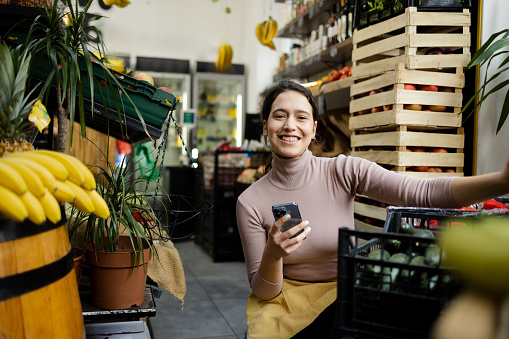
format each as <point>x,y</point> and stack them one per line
<point>63,42</point>
<point>488,52</point>
<point>125,236</point>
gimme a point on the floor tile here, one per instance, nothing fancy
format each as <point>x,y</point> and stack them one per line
<point>234,311</point>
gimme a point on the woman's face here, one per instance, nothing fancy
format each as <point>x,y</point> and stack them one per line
<point>290,126</point>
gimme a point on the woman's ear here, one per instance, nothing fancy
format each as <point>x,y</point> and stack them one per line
<point>265,131</point>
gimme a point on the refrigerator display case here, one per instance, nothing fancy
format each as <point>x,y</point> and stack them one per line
<point>220,103</point>
<point>175,75</point>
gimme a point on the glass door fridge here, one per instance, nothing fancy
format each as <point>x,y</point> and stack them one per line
<point>220,103</point>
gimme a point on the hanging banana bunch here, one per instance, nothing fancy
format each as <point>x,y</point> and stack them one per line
<point>224,58</point>
<point>266,31</point>
<point>119,3</point>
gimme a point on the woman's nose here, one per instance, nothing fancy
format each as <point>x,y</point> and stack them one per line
<point>289,124</point>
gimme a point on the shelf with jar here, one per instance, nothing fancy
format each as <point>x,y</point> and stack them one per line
<point>322,44</point>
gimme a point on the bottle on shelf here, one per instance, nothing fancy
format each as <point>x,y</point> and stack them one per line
<point>351,9</point>
<point>332,29</point>
<point>338,22</point>
<point>344,21</point>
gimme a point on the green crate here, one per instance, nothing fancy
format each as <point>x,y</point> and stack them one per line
<point>153,104</point>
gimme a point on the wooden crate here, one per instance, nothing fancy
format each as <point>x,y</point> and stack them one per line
<point>406,39</point>
<point>394,100</point>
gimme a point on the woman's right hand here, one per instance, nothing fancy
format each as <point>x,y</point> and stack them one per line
<point>281,244</point>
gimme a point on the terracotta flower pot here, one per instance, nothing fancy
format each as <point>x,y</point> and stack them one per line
<point>115,284</point>
<point>78,258</point>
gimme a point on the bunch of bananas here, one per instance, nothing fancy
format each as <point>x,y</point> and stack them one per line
<point>224,58</point>
<point>119,3</point>
<point>33,185</point>
<point>266,31</point>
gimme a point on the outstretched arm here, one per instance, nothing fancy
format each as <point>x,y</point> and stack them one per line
<point>468,190</point>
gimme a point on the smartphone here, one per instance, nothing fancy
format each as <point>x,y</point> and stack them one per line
<point>290,208</point>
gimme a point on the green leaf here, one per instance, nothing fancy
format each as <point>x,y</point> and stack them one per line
<point>228,10</point>
<point>487,50</point>
<point>505,112</point>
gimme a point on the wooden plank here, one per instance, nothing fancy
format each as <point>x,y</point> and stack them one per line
<point>420,77</point>
<point>439,19</point>
<point>377,67</point>
<point>412,158</point>
<point>438,40</point>
<point>379,99</point>
<point>366,86</point>
<point>369,211</point>
<point>381,46</point>
<point>408,139</point>
<point>428,98</point>
<point>437,61</point>
<point>380,28</point>
<point>336,85</point>
<point>362,226</point>
<point>315,91</point>
<point>405,117</point>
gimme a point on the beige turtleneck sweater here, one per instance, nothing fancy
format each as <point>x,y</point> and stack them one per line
<point>324,188</point>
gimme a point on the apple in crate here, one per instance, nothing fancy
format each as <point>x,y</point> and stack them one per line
<point>434,170</point>
<point>165,89</point>
<point>438,150</point>
<point>429,88</point>
<point>440,108</point>
<point>420,168</point>
<point>378,108</point>
<point>144,77</point>
<point>435,51</point>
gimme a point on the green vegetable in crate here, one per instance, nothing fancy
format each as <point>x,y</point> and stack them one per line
<point>421,245</point>
<point>401,258</point>
<point>406,228</point>
<point>480,253</point>
<point>432,255</point>
<point>417,260</point>
<point>392,245</point>
<point>377,255</point>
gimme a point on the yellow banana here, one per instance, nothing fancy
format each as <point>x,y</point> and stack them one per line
<point>480,254</point>
<point>34,208</point>
<point>89,182</point>
<point>82,202</point>
<point>101,208</point>
<point>11,179</point>
<point>224,59</point>
<point>47,178</point>
<point>64,193</point>
<point>51,207</point>
<point>54,166</point>
<point>11,205</point>
<point>31,178</point>
<point>75,174</point>
<point>266,31</point>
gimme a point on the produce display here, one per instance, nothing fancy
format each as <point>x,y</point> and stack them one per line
<point>33,184</point>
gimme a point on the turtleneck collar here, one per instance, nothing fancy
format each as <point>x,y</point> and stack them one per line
<point>291,174</point>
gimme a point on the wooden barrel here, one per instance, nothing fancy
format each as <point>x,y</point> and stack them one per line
<point>39,295</point>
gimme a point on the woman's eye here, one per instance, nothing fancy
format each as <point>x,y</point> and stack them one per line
<point>303,117</point>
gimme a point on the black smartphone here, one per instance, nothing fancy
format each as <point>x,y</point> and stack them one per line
<point>290,208</point>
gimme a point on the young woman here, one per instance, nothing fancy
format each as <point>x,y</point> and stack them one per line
<point>293,279</point>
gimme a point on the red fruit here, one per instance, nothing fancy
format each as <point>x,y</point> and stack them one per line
<point>364,111</point>
<point>430,88</point>
<point>375,91</point>
<point>438,150</point>
<point>343,76</point>
<point>413,107</point>
<point>103,83</point>
<point>420,168</point>
<point>165,89</point>
<point>435,51</point>
<point>334,75</point>
<point>410,87</point>
<point>434,170</point>
<point>449,170</point>
<point>418,149</point>
<point>376,109</point>
<point>387,107</point>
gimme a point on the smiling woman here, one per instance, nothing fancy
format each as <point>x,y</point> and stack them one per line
<point>293,277</point>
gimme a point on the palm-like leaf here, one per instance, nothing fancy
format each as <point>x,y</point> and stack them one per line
<point>490,50</point>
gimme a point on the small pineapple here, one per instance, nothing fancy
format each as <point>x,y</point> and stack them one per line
<point>14,105</point>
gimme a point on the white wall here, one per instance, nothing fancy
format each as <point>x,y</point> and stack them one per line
<point>492,148</point>
<point>194,30</point>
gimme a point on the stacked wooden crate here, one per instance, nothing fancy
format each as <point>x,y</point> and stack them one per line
<point>405,108</point>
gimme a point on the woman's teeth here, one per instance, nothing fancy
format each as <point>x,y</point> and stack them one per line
<point>290,138</point>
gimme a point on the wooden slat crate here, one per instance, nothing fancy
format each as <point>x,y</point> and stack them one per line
<point>406,39</point>
<point>392,105</point>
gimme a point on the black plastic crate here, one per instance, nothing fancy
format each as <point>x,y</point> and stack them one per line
<point>364,18</point>
<point>378,298</point>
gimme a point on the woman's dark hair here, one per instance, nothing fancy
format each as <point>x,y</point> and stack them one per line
<point>273,93</point>
<point>284,86</point>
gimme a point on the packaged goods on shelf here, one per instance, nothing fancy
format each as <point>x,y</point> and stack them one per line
<point>420,40</point>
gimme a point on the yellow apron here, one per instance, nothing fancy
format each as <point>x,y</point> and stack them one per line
<point>297,306</point>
